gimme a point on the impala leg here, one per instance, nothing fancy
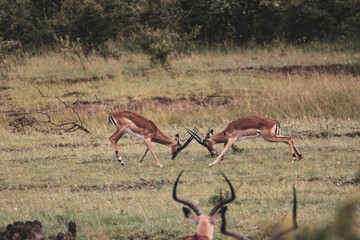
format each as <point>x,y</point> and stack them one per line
<point>283,139</point>
<point>151,148</point>
<point>143,156</point>
<point>296,150</point>
<point>227,146</point>
<point>222,158</point>
<point>114,139</point>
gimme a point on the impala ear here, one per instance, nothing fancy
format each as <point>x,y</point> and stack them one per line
<point>217,216</point>
<point>190,215</point>
<point>177,139</point>
<point>211,132</point>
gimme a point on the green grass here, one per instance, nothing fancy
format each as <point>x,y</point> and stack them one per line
<point>58,178</point>
<point>71,178</point>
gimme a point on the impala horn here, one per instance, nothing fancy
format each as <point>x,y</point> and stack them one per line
<point>187,141</point>
<point>185,201</point>
<point>294,225</point>
<point>195,136</point>
<point>224,201</point>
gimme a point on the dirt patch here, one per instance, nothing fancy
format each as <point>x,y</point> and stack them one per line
<point>326,134</point>
<point>138,105</point>
<point>73,145</point>
<point>337,181</point>
<point>351,134</point>
<point>8,150</point>
<point>334,69</point>
<point>347,181</point>
<point>137,236</point>
<point>27,187</point>
<point>53,81</point>
<point>121,187</point>
<point>131,186</point>
<point>74,93</point>
<point>160,102</point>
<point>90,107</point>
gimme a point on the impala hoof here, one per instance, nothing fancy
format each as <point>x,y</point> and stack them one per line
<point>140,164</point>
<point>161,166</point>
<point>121,161</point>
<point>210,164</point>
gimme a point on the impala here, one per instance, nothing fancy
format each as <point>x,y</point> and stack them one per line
<point>205,223</point>
<point>139,126</point>
<point>242,129</point>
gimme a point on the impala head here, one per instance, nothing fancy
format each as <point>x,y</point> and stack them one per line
<point>205,223</point>
<point>178,146</point>
<point>206,141</point>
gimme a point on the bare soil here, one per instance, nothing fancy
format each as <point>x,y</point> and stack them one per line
<point>121,187</point>
<point>334,69</point>
<point>131,186</point>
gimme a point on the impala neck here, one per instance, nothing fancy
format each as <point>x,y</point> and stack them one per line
<point>196,237</point>
<point>164,139</point>
<point>219,138</point>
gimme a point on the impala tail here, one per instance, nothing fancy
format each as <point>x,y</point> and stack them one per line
<point>278,130</point>
<point>111,120</point>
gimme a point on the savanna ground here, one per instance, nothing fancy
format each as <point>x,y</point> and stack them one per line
<point>314,92</point>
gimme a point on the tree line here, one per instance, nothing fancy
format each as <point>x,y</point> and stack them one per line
<point>162,26</point>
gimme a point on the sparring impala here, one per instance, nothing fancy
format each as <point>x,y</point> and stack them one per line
<point>242,129</point>
<point>139,126</point>
<point>205,223</point>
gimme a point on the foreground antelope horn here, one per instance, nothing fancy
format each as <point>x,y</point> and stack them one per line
<point>229,232</point>
<point>185,201</point>
<point>205,223</point>
<point>295,225</point>
<point>277,236</point>
<point>224,201</point>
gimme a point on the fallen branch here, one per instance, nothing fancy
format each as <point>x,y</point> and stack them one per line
<point>42,121</point>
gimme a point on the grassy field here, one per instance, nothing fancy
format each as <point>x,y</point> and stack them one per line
<point>64,177</point>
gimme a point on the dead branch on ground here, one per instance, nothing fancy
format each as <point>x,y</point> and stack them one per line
<point>42,121</point>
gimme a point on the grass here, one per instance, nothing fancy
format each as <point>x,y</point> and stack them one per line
<point>85,182</point>
<point>59,178</point>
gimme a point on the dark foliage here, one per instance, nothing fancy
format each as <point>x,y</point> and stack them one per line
<point>38,23</point>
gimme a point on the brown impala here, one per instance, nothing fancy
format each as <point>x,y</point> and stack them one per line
<point>205,223</point>
<point>132,123</point>
<point>242,129</point>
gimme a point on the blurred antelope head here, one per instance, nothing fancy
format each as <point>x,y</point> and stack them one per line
<point>205,223</point>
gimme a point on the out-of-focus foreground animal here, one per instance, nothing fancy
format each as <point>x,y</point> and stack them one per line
<point>33,231</point>
<point>205,223</point>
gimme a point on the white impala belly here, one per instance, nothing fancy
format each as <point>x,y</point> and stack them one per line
<point>257,135</point>
<point>128,130</point>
